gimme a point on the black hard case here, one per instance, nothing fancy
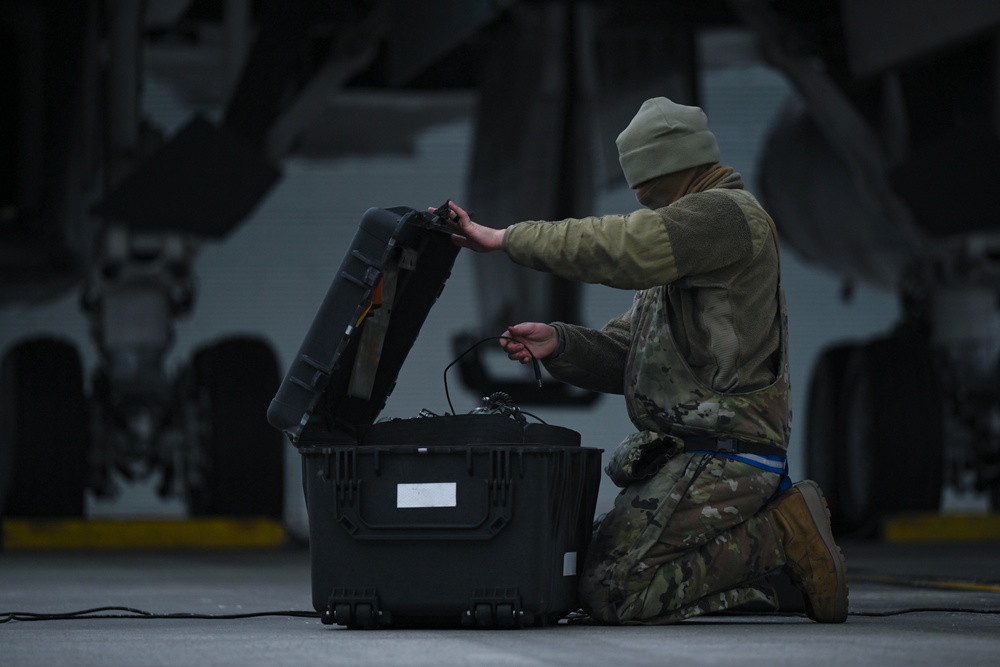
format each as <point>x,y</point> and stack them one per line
<point>474,519</point>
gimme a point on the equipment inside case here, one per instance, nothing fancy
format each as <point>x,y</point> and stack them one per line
<point>476,519</point>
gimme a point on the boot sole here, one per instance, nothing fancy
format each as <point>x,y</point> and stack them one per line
<point>820,514</point>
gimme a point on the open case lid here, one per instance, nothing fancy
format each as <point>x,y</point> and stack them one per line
<point>347,365</point>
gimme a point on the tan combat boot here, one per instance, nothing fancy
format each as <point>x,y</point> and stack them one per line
<point>813,560</point>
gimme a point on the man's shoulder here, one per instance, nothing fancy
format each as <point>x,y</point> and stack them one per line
<point>750,210</point>
<point>714,202</point>
<point>744,199</point>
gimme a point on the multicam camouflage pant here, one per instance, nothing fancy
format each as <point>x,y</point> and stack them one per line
<point>690,540</point>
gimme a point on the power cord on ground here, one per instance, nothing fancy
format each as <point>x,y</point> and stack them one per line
<point>574,618</point>
<point>130,612</point>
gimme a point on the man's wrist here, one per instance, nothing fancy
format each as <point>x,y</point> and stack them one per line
<point>560,342</point>
<point>500,238</point>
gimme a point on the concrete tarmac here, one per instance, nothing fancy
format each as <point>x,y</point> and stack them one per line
<point>909,605</point>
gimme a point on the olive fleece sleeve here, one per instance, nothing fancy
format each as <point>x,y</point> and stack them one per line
<point>625,251</point>
<point>697,234</point>
<point>592,359</point>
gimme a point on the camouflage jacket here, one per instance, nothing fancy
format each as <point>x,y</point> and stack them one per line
<point>703,350</point>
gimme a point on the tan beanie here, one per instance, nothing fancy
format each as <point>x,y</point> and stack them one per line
<point>665,137</point>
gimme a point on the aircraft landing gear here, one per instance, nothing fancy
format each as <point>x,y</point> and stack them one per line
<point>875,431</point>
<point>240,469</point>
<point>43,430</point>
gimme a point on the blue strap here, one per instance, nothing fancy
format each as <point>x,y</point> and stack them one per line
<point>775,464</point>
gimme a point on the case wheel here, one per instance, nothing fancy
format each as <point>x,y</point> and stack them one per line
<point>364,616</point>
<point>342,614</point>
<point>506,616</point>
<point>484,615</point>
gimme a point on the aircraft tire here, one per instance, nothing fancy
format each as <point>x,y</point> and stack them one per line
<point>43,430</point>
<point>892,458</point>
<point>920,438</point>
<point>824,426</point>
<point>243,456</point>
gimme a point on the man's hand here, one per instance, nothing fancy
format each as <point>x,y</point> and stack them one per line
<point>471,235</point>
<point>542,339</point>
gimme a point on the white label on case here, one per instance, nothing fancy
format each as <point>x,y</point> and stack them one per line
<point>439,494</point>
<point>569,564</point>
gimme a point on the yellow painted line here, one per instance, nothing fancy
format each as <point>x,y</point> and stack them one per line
<point>973,586</point>
<point>942,528</point>
<point>141,534</point>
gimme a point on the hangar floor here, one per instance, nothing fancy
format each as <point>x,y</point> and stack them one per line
<point>911,604</point>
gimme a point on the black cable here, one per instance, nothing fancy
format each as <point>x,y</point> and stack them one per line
<point>534,363</point>
<point>540,420</point>
<point>922,610</point>
<point>575,617</point>
<point>131,612</point>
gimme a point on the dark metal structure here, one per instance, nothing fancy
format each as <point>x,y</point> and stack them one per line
<point>881,169</point>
